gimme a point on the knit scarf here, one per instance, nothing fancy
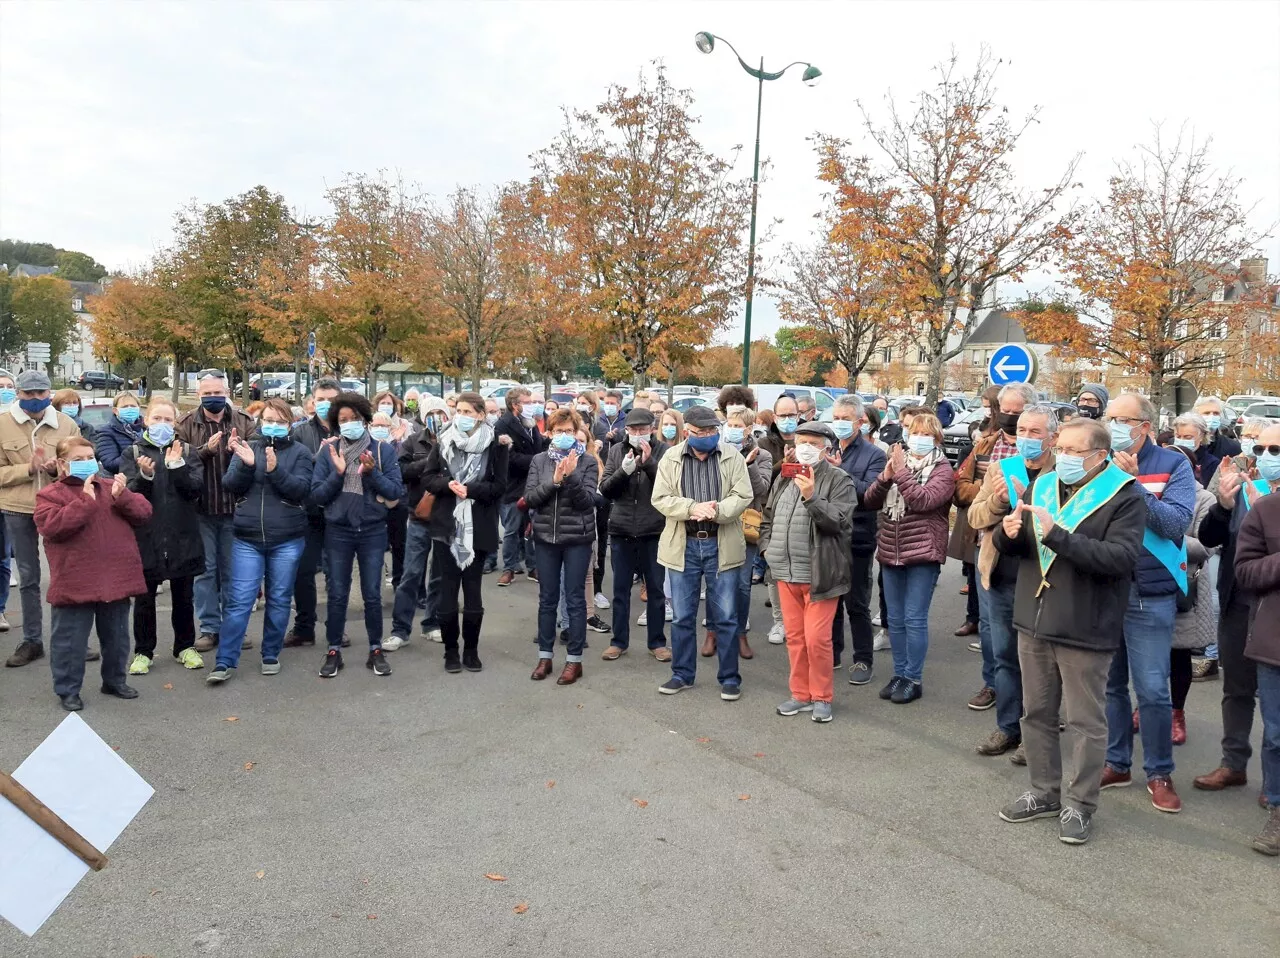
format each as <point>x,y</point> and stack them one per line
<point>467,458</point>
<point>895,506</point>
<point>352,480</point>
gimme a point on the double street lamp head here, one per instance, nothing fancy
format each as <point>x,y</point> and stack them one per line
<point>705,41</point>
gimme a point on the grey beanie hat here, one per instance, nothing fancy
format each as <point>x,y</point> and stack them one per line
<point>1098,390</point>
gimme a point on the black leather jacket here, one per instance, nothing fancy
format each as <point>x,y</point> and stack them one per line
<point>633,514</point>
<point>565,514</point>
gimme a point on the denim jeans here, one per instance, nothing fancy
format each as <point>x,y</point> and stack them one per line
<point>20,532</point>
<point>347,547</point>
<point>1144,656</point>
<point>250,564</point>
<point>517,548</point>
<point>212,584</point>
<point>1269,706</point>
<point>6,568</point>
<point>630,556</point>
<point>417,550</point>
<point>908,590</point>
<point>570,562</point>
<point>69,627</point>
<point>996,609</point>
<point>759,567</point>
<point>742,606</point>
<point>702,561</point>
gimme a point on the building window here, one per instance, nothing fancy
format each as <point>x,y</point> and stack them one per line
<point>888,356</point>
<point>921,356</point>
<point>77,304</point>
<point>919,388</point>
<point>975,357</point>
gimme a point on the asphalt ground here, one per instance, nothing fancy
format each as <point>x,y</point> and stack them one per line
<point>623,822</point>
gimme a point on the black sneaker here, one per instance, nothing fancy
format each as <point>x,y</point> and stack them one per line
<point>1074,826</point>
<point>378,662</point>
<point>451,661</point>
<point>471,662</point>
<point>1030,806</point>
<point>907,692</point>
<point>597,624</point>
<point>731,691</point>
<point>673,685</point>
<point>332,664</point>
<point>886,693</point>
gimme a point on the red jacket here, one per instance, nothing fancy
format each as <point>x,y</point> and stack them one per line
<point>921,534</point>
<point>92,551</point>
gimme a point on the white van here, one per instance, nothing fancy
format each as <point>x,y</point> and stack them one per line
<point>767,394</point>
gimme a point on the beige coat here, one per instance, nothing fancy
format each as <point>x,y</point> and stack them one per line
<point>986,510</point>
<point>735,496</point>
<point>19,435</point>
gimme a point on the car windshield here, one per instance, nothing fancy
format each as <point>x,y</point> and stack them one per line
<point>96,415</point>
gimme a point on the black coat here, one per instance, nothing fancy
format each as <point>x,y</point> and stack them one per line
<point>486,493</point>
<point>862,461</point>
<point>525,444</point>
<point>1089,582</point>
<point>1220,528</point>
<point>414,453</point>
<point>633,514</point>
<point>270,506</point>
<point>563,515</point>
<point>310,434</point>
<point>169,542</point>
<point>110,442</point>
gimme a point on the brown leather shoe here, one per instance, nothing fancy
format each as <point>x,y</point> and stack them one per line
<point>506,578</point>
<point>985,698</point>
<point>1113,779</point>
<point>997,743</point>
<point>208,642</point>
<point>662,653</point>
<point>644,592</point>
<point>1164,797</point>
<point>296,639</point>
<point>709,645</point>
<point>744,650</point>
<point>1019,756</point>
<point>24,654</point>
<point>572,672</point>
<point>541,670</point>
<point>969,628</point>
<point>1220,778</point>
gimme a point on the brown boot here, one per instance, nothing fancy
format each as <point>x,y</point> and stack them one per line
<point>541,670</point>
<point>572,672</point>
<point>709,645</point>
<point>1220,778</point>
<point>1268,840</point>
<point>744,650</point>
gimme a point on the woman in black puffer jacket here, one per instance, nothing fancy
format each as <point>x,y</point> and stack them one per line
<point>561,494</point>
<point>271,478</point>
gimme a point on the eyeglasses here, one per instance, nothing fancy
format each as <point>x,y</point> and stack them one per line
<point>1125,420</point>
<point>1271,450</point>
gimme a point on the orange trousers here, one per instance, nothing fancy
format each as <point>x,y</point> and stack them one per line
<point>808,626</point>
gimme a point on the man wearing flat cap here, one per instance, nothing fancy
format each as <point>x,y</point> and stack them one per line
<point>30,431</point>
<point>635,526</point>
<point>805,534</point>
<point>702,488</point>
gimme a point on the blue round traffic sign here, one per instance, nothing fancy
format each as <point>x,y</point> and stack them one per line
<point>1012,363</point>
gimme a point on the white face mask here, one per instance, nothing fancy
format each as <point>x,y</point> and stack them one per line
<point>808,455</point>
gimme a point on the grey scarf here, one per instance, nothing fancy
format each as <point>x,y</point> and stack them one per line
<point>352,480</point>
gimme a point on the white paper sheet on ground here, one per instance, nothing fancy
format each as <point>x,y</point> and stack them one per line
<point>93,789</point>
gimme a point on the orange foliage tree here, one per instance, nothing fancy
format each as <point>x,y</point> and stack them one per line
<point>651,221</point>
<point>718,365</point>
<point>1150,264</point>
<point>957,221</point>
<point>143,318</point>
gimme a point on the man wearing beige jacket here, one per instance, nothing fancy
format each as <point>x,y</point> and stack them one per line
<point>30,431</point>
<point>998,574</point>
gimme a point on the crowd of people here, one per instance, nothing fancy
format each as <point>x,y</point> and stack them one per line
<point>1101,553</point>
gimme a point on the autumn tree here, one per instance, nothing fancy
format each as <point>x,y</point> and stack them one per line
<point>11,339</point>
<point>718,365</point>
<point>141,318</point>
<point>956,221</point>
<point>1155,267</point>
<point>652,221</point>
<point>615,367</point>
<point>41,305</point>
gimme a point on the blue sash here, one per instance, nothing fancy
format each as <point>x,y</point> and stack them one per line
<point>1172,557</point>
<point>1014,467</point>
<point>1263,487</point>
<point>1088,499</point>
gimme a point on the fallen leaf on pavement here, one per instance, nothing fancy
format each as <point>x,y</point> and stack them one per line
<point>260,875</point>
<point>704,740</point>
<point>334,914</point>
<point>168,686</point>
<point>743,798</point>
<point>154,892</point>
<point>521,908</point>
<point>551,784</point>
<point>579,705</point>
<point>371,917</point>
<point>641,802</point>
<point>493,876</point>
<point>232,718</point>
<point>759,754</point>
<point>609,750</point>
<point>248,766</point>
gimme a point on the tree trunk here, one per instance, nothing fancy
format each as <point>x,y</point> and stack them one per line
<point>178,380</point>
<point>244,383</point>
<point>671,384</point>
<point>546,386</point>
<point>933,387</point>
<point>1155,390</point>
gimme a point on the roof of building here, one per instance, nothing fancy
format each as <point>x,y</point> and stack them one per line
<point>26,269</point>
<point>997,326</point>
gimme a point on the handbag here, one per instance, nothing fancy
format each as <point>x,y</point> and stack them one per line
<point>422,511</point>
<point>751,520</point>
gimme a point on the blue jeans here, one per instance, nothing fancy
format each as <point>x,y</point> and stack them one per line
<point>984,643</point>
<point>571,563</point>
<point>6,568</point>
<point>630,556</point>
<point>347,547</point>
<point>908,590</point>
<point>758,565</point>
<point>417,550</point>
<point>517,550</point>
<point>212,585</point>
<point>742,607</point>
<point>1269,705</point>
<point>1144,655</point>
<point>995,607</point>
<point>702,560</point>
<point>250,563</point>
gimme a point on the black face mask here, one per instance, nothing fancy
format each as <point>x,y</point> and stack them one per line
<point>1090,412</point>
<point>1008,422</point>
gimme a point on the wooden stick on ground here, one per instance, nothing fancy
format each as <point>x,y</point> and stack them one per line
<point>41,814</point>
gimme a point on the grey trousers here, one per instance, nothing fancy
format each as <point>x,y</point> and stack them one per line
<point>69,630</point>
<point>1062,680</point>
<point>20,529</point>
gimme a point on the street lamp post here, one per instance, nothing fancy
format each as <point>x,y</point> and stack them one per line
<point>706,42</point>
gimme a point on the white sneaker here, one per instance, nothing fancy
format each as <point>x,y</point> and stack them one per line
<point>393,643</point>
<point>601,601</point>
<point>704,593</point>
<point>748,628</point>
<point>671,615</point>
<point>777,635</point>
<point>257,603</point>
<point>644,618</point>
<point>877,623</point>
<point>13,577</point>
<point>704,621</point>
<point>162,588</point>
<point>882,641</point>
<point>435,636</point>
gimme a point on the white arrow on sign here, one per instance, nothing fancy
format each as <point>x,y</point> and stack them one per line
<point>1004,369</point>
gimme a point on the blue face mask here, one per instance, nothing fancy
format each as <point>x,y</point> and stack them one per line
<point>1070,469</point>
<point>34,407</point>
<point>8,396</point>
<point>610,409</point>
<point>733,435</point>
<point>465,424</point>
<point>704,443</point>
<point>129,413</point>
<point>1188,444</point>
<point>71,409</point>
<point>787,425</point>
<point>322,408</point>
<point>1214,422</point>
<point>380,433</point>
<point>274,430</point>
<point>920,445</point>
<point>1121,436</point>
<point>668,432</point>
<point>1269,467</point>
<point>563,441</point>
<point>214,403</point>
<point>160,433</point>
<point>1029,448</point>
<point>491,419</point>
<point>352,430</point>
<point>842,428</point>
<point>82,468</point>
<point>532,411</point>
<point>865,429</point>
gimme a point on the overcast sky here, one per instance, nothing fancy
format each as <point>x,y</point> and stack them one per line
<point>112,115</point>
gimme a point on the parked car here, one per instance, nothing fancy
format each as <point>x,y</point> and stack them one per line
<point>97,412</point>
<point>767,394</point>
<point>97,379</point>
<point>956,438</point>
<point>1262,410</point>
